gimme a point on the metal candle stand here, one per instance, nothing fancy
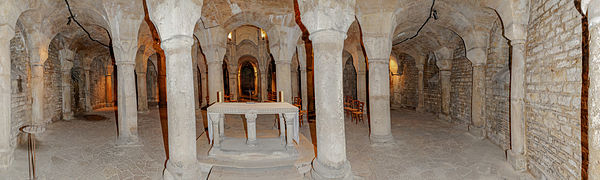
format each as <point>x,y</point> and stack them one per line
<point>31,130</point>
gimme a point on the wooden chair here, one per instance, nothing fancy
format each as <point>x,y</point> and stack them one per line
<point>347,105</point>
<point>359,111</point>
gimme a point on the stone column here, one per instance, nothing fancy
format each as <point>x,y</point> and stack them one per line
<point>37,94</point>
<point>233,86</point>
<point>215,79</point>
<point>478,101</point>
<point>284,84</point>
<point>142,92</point>
<point>127,108</point>
<point>446,85</point>
<point>6,149</point>
<point>516,155</point>
<point>204,88</point>
<point>294,77</point>
<point>181,112</point>
<point>444,63</point>
<point>420,91</point>
<point>86,91</point>
<point>328,43</point>
<point>263,84</point>
<point>109,87</point>
<point>377,39</point>
<point>251,127</point>
<point>303,79</point>
<point>66,58</point>
<point>593,95</point>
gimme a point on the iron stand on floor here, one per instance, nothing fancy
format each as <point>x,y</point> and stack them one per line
<point>31,130</point>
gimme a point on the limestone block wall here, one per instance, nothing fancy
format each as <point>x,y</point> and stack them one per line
<point>78,85</point>
<point>20,77</point>
<point>497,92</point>
<point>405,88</point>
<point>53,84</point>
<point>98,83</point>
<point>553,90</point>
<point>431,87</point>
<point>462,86</point>
<point>350,79</point>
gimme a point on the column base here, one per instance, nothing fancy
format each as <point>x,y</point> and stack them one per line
<point>177,171</point>
<point>128,142</point>
<point>6,158</point>
<point>382,140</point>
<point>517,161</point>
<point>67,116</point>
<point>445,117</point>
<point>322,171</point>
<point>477,132</point>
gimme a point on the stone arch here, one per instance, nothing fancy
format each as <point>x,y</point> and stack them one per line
<point>350,83</point>
<point>244,63</point>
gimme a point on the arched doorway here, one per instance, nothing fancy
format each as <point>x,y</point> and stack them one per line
<point>248,78</point>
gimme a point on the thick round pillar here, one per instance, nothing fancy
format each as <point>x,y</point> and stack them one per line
<point>420,91</point>
<point>6,150</point>
<point>379,100</point>
<point>215,80</point>
<point>478,101</point>
<point>66,90</point>
<point>127,107</point>
<point>331,162</point>
<point>263,85</point>
<point>446,86</point>
<point>284,82</point>
<point>233,85</point>
<point>181,113</point>
<point>516,155</point>
<point>594,91</point>
<point>142,92</point>
<point>37,94</point>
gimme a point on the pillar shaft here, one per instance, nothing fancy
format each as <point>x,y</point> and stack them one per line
<point>331,145</point>
<point>233,85</point>
<point>37,94</point>
<point>283,77</point>
<point>127,120</point>
<point>142,92</point>
<point>517,93</point>
<point>294,76</point>
<point>446,86</point>
<point>594,91</point>
<point>66,92</point>
<point>304,92</point>
<point>196,88</point>
<point>204,88</point>
<point>478,100</point>
<point>6,149</point>
<point>420,91</point>
<point>181,112</point>
<point>215,79</point>
<point>88,99</point>
<point>264,85</point>
<point>379,100</point>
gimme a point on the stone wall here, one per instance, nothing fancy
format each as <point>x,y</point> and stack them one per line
<point>78,85</point>
<point>553,90</point>
<point>20,77</point>
<point>53,83</point>
<point>152,83</point>
<point>350,79</point>
<point>462,86</point>
<point>497,88</point>
<point>431,86</point>
<point>98,89</point>
<point>405,85</point>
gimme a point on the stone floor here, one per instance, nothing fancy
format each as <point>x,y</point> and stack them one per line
<point>425,148</point>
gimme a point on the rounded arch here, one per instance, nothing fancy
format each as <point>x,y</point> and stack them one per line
<point>248,77</point>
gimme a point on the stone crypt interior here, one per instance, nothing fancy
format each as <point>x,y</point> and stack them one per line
<point>299,89</point>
